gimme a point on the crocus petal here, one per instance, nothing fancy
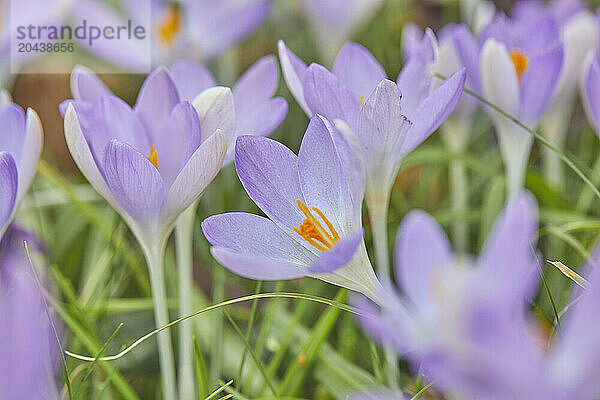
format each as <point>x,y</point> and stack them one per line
<point>156,99</point>
<point>133,180</point>
<point>215,109</point>
<point>196,174</point>
<point>434,110</point>
<point>591,93</point>
<point>382,130</point>
<point>8,189</point>
<point>499,80</point>
<point>320,172</point>
<point>539,83</point>
<point>191,79</point>
<point>414,81</point>
<point>5,98</point>
<point>339,255</point>
<point>356,68</point>
<point>179,140</point>
<point>422,251</point>
<point>264,119</point>
<point>86,86</point>
<point>269,172</point>
<point>256,86</point>
<point>12,129</point>
<point>294,70</point>
<point>509,252</point>
<point>33,142</point>
<point>326,95</point>
<point>254,235</point>
<point>257,267</point>
<point>82,155</point>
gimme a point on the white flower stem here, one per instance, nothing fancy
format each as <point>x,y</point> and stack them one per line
<point>154,258</point>
<point>183,246</point>
<point>378,212</point>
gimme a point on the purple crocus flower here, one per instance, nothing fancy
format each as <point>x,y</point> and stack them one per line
<point>20,150</point>
<point>443,293</point>
<point>150,162</point>
<point>357,93</point>
<point>313,204</point>
<point>196,29</point>
<point>590,92</point>
<point>27,343</point>
<point>257,111</point>
<point>335,21</point>
<point>520,63</point>
<point>579,35</point>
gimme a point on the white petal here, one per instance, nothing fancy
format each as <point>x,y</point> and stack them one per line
<point>32,150</point>
<point>499,78</point>
<point>216,111</point>
<point>290,75</point>
<point>5,97</point>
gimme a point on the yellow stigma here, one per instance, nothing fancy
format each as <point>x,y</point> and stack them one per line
<point>169,25</point>
<point>153,156</point>
<point>520,61</point>
<point>362,100</point>
<point>313,232</point>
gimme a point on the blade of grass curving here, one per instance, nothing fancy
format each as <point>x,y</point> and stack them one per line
<point>300,296</point>
<point>90,369</point>
<point>65,368</point>
<point>547,288</point>
<point>249,349</point>
<point>202,385</point>
<point>536,135</point>
<point>248,332</point>
<point>214,394</point>
<point>569,273</point>
<point>421,392</point>
<point>568,239</point>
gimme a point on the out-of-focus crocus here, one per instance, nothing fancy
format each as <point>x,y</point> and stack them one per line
<point>334,21</point>
<point>27,343</point>
<point>520,65</point>
<point>461,297</point>
<point>477,13</point>
<point>313,204</point>
<point>379,113</point>
<point>257,111</point>
<point>579,35</point>
<point>195,29</point>
<point>150,163</point>
<point>20,149</point>
<point>590,91</point>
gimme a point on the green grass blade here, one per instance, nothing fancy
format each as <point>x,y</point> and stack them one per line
<point>202,385</point>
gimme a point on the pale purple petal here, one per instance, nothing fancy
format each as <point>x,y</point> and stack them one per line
<point>320,172</point>
<point>156,99</point>
<point>294,71</point>
<point>254,235</point>
<point>422,252</point>
<point>12,130</point>
<point>8,189</point>
<point>33,142</point>
<point>180,138</point>
<point>191,78</point>
<point>257,267</point>
<point>591,93</point>
<point>356,68</point>
<point>414,82</point>
<point>216,110</point>
<point>264,119</point>
<point>539,82</point>
<point>133,180</point>
<point>256,86</point>
<point>269,172</point>
<point>326,95</point>
<point>86,85</point>
<point>434,110</point>
<point>339,255</point>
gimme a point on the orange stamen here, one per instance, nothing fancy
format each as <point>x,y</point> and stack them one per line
<point>313,232</point>
<point>169,26</point>
<point>153,156</point>
<point>520,61</point>
<point>362,100</point>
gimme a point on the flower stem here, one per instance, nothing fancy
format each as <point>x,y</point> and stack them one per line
<point>183,245</point>
<point>154,257</point>
<point>378,211</point>
<point>459,202</point>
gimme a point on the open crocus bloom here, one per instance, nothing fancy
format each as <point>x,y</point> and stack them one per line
<point>20,149</point>
<point>313,204</point>
<point>257,112</point>
<point>520,64</point>
<point>198,29</point>
<point>349,94</point>
<point>153,161</point>
<point>442,294</point>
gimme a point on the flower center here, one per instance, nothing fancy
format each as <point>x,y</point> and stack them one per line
<point>153,157</point>
<point>313,232</point>
<point>362,100</point>
<point>169,25</point>
<point>520,61</point>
